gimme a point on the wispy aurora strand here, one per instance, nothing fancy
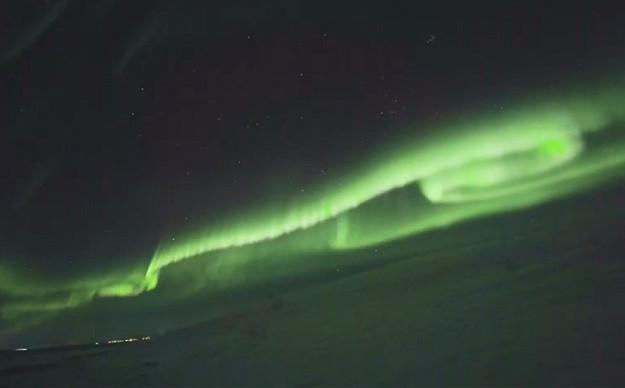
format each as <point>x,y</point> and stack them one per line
<point>524,157</point>
<point>463,168</point>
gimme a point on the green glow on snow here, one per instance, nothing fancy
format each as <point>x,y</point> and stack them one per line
<point>461,169</point>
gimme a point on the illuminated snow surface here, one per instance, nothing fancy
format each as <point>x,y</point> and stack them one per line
<point>528,299</point>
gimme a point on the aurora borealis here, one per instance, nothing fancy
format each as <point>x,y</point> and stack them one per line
<point>511,162</point>
<point>485,166</point>
<point>129,166</point>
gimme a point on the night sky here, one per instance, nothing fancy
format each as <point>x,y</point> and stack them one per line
<point>129,127</point>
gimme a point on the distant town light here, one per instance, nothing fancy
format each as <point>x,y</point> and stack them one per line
<point>117,341</point>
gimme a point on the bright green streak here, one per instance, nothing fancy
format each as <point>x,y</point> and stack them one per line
<point>467,168</point>
<point>553,147</point>
<point>480,159</point>
<point>441,157</point>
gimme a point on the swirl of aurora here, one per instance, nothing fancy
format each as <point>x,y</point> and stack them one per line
<point>519,159</point>
<point>463,168</point>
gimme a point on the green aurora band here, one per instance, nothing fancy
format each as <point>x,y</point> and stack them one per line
<point>35,31</point>
<point>463,168</point>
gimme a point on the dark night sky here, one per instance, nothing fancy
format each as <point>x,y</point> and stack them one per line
<point>121,121</point>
